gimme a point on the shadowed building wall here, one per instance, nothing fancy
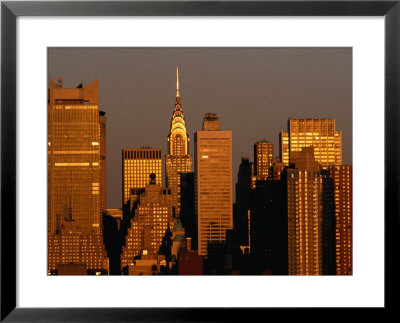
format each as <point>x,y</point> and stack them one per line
<point>187,215</point>
<point>103,163</point>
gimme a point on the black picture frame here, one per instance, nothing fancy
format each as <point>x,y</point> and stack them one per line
<point>10,10</point>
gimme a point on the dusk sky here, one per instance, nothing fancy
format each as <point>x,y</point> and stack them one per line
<point>254,91</point>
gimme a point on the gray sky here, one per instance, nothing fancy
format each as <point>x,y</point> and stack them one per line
<point>253,90</point>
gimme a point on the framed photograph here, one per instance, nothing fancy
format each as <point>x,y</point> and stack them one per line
<point>339,63</point>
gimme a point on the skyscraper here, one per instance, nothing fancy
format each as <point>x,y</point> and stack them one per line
<point>137,165</point>
<point>178,160</point>
<point>263,154</point>
<point>75,175</point>
<point>310,213</point>
<point>213,182</point>
<point>74,157</point>
<point>343,192</point>
<point>318,133</point>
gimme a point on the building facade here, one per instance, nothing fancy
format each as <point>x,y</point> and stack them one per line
<point>343,199</point>
<point>310,213</point>
<point>76,175</point>
<point>263,155</point>
<point>153,217</point>
<point>137,165</point>
<point>318,133</point>
<point>213,183</point>
<point>178,160</point>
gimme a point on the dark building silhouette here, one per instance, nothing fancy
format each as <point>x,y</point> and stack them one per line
<point>268,227</point>
<point>328,224</point>
<point>187,214</point>
<point>242,205</point>
<point>189,261</point>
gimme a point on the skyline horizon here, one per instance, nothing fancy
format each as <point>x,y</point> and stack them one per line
<point>136,134</point>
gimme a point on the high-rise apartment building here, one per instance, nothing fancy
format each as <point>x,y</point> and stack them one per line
<point>152,218</point>
<point>318,133</point>
<point>137,165</point>
<point>76,175</point>
<point>310,215</point>
<point>343,193</point>
<point>213,183</point>
<point>178,160</point>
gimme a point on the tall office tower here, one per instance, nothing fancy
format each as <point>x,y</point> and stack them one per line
<point>153,216</point>
<point>213,183</point>
<point>137,165</point>
<point>309,208</point>
<point>103,164</point>
<point>318,133</point>
<point>242,205</point>
<point>187,214</point>
<point>178,159</point>
<point>343,192</point>
<point>263,154</point>
<point>74,171</point>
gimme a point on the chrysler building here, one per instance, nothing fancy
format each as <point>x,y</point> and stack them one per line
<point>178,160</point>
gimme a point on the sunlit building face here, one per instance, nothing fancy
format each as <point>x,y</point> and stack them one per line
<point>76,177</point>
<point>263,154</point>
<point>310,215</point>
<point>343,195</point>
<point>213,183</point>
<point>137,165</point>
<point>318,133</point>
<point>74,173</point>
<point>304,222</point>
<point>152,218</point>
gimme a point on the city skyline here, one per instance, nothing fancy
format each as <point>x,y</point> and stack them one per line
<point>243,95</point>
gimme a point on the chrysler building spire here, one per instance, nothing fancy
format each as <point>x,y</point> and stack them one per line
<point>177,82</point>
